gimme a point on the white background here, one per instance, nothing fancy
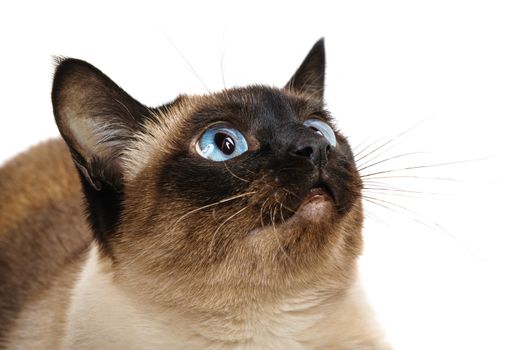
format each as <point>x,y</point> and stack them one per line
<point>444,268</point>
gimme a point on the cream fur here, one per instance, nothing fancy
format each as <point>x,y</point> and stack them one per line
<point>101,315</point>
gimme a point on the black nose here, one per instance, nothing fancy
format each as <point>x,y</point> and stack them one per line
<point>315,148</point>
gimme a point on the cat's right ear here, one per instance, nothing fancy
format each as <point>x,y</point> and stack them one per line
<point>96,118</point>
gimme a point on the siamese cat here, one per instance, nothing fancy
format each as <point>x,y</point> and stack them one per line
<point>231,220</point>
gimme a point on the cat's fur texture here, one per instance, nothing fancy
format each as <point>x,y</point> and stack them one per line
<point>156,247</point>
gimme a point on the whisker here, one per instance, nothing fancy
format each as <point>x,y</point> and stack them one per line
<point>372,156</point>
<point>261,216</point>
<point>356,148</point>
<point>214,204</point>
<point>387,202</point>
<point>373,201</point>
<point>283,205</point>
<point>281,211</point>
<point>234,175</point>
<point>369,214</point>
<point>390,141</point>
<point>365,166</point>
<point>394,189</point>
<point>423,166</point>
<point>261,211</point>
<point>223,51</point>
<point>210,246</point>
<point>398,194</point>
<point>357,153</point>
<point>421,220</point>
<point>272,216</point>
<point>186,60</point>
<point>291,193</point>
<point>286,207</point>
<point>414,177</point>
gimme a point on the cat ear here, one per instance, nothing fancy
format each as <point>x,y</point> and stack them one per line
<point>310,76</point>
<point>96,118</point>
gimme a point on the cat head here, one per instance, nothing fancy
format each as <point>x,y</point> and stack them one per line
<point>247,189</point>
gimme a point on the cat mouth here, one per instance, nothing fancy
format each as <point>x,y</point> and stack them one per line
<point>320,191</point>
<point>316,205</point>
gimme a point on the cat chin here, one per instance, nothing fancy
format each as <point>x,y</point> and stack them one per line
<point>318,205</point>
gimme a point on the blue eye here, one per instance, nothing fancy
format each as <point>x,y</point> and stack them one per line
<point>220,143</point>
<point>323,129</point>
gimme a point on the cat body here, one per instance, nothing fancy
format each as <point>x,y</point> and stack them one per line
<point>226,221</point>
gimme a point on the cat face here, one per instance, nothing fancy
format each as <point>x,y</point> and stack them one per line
<point>251,188</point>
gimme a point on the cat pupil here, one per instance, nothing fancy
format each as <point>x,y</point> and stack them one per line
<point>316,130</point>
<point>225,143</point>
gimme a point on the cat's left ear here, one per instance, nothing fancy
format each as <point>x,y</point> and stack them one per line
<point>309,79</point>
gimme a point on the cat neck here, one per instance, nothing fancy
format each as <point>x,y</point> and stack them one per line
<point>100,309</point>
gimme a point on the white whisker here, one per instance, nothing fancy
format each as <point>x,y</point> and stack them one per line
<point>214,204</point>
<point>211,245</point>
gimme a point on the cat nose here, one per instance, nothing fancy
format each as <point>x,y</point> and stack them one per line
<point>316,149</point>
